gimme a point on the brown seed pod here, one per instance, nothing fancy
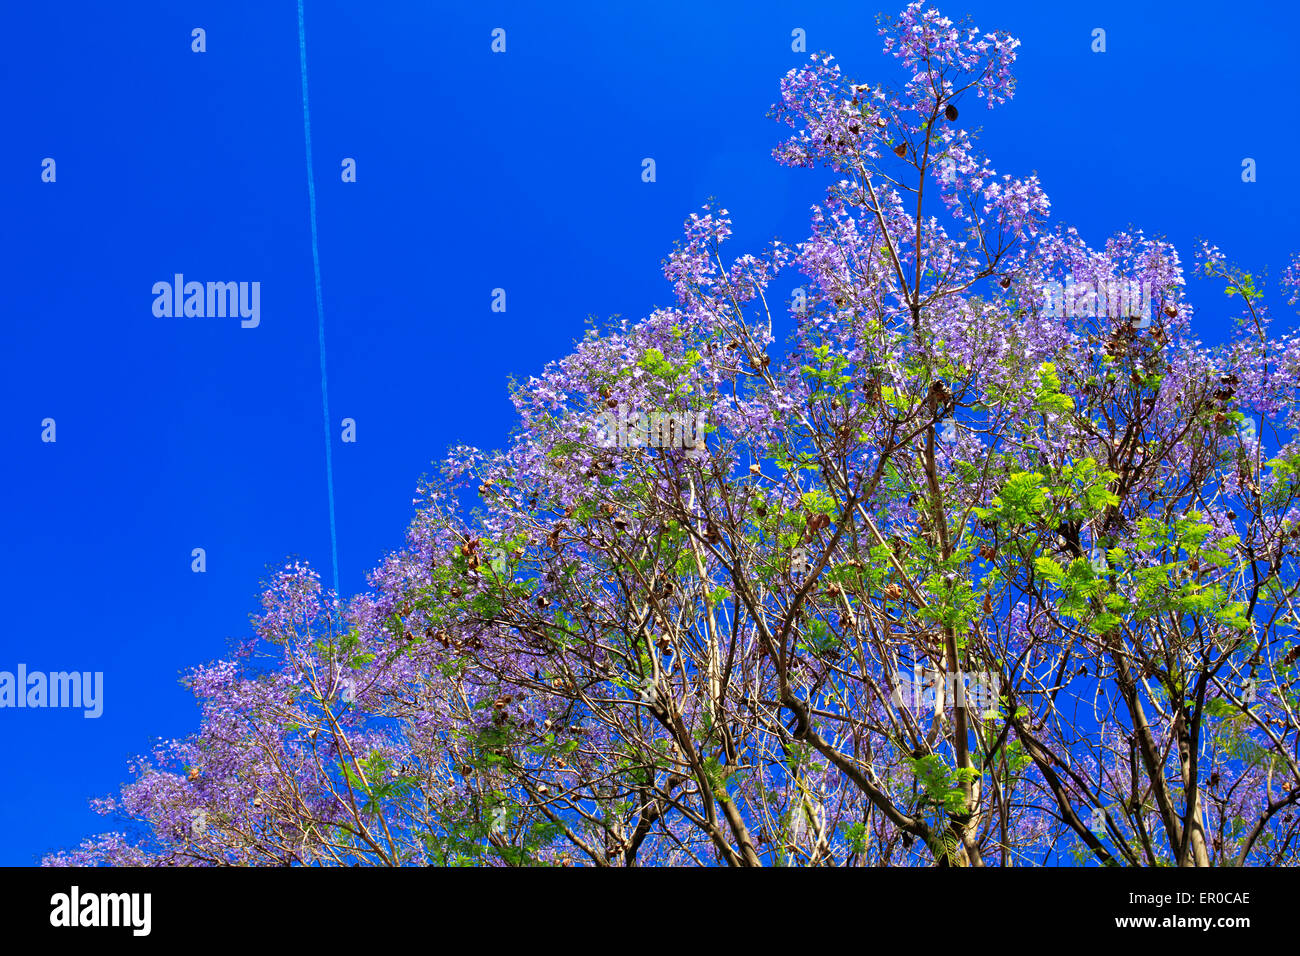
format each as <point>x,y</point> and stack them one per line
<point>950,111</point>
<point>900,150</point>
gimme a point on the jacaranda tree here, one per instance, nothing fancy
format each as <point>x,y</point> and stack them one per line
<point>995,566</point>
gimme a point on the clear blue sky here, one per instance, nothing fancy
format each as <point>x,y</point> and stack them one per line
<point>475,171</point>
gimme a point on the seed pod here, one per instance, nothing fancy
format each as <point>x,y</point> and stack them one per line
<point>950,111</point>
<point>900,150</point>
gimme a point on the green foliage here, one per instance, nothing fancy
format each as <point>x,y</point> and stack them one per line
<point>942,784</point>
<point>1019,502</point>
<point>1048,398</point>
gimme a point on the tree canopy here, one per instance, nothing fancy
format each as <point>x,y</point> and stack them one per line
<point>993,565</point>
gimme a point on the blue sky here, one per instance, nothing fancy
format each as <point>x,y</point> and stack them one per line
<point>475,171</point>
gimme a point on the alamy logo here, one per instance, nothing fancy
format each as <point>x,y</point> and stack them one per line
<point>623,429</point>
<point>213,300</point>
<point>1115,298</point>
<point>57,689</point>
<point>925,687</point>
<point>133,910</point>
